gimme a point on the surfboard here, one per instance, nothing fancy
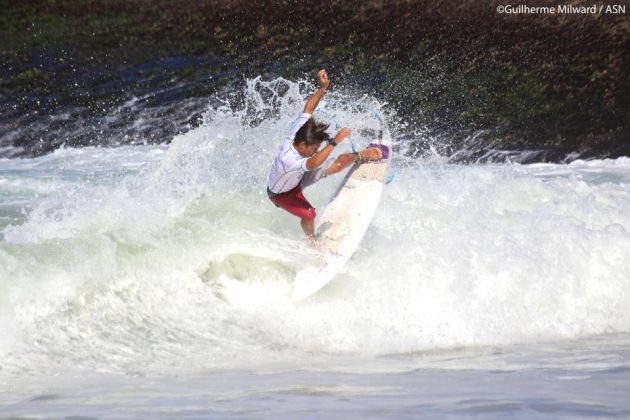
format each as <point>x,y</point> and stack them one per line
<point>343,223</point>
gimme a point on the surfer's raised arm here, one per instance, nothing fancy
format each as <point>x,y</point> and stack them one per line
<point>313,101</point>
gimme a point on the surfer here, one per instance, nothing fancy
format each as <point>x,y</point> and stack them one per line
<point>300,162</point>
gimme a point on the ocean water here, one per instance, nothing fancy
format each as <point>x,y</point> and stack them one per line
<point>155,282</point>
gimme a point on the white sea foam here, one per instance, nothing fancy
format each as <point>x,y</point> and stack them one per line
<point>146,259</point>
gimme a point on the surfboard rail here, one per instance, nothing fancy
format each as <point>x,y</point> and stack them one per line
<point>343,223</point>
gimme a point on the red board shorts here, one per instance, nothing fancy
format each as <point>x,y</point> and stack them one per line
<point>294,202</point>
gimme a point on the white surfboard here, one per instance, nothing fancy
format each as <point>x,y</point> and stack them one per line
<point>343,224</point>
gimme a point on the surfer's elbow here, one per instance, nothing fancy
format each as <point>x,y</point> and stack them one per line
<point>313,163</point>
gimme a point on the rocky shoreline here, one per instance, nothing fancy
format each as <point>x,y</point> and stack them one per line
<point>460,73</point>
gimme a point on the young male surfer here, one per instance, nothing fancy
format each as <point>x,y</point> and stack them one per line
<point>300,162</point>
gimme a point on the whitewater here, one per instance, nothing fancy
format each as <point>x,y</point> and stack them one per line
<point>155,281</point>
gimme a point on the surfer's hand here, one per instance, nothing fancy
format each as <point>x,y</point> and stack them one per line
<point>372,153</point>
<point>323,78</point>
<point>343,134</point>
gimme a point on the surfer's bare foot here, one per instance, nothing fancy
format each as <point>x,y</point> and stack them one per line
<point>315,244</point>
<point>372,153</point>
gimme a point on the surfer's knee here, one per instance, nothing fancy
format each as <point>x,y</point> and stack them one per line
<point>308,215</point>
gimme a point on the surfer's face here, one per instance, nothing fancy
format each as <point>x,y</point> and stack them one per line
<point>307,150</point>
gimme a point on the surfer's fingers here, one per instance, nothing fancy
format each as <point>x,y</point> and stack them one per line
<point>323,77</point>
<point>374,153</point>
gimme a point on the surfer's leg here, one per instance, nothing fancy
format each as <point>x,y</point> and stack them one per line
<point>295,203</point>
<point>308,226</point>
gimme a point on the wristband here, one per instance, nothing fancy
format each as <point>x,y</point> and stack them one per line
<point>332,142</point>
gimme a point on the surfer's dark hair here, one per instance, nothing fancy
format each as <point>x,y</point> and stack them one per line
<point>312,132</point>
